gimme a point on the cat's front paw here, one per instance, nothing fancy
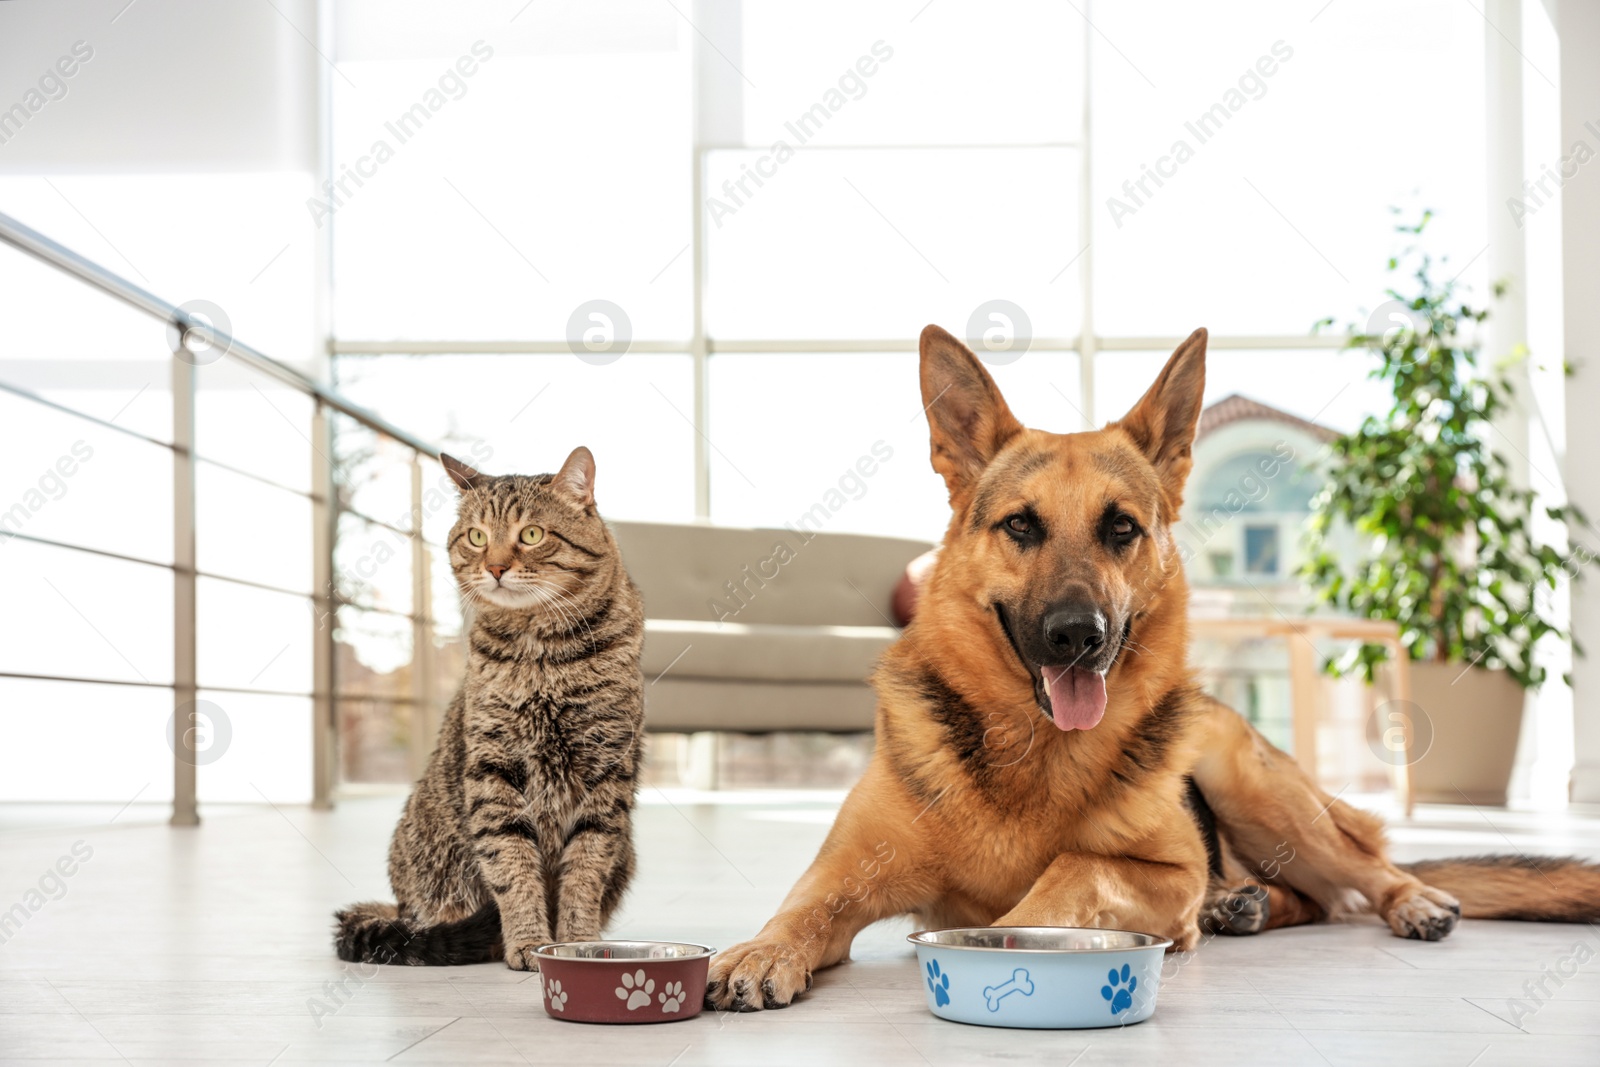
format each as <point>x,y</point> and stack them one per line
<point>520,957</point>
<point>578,931</point>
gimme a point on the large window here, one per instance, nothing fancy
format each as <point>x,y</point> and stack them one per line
<point>771,200</point>
<point>702,238</point>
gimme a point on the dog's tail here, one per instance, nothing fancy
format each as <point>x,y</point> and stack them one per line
<point>1530,888</point>
<point>378,933</point>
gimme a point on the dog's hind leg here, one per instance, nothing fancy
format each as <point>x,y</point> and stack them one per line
<point>1276,821</point>
<point>1242,900</point>
<point>1251,907</point>
<point>1238,910</point>
<point>1290,908</point>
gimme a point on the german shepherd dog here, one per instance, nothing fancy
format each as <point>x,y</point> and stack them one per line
<point>1044,756</point>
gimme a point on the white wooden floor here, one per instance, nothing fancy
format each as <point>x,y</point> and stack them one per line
<point>212,946</point>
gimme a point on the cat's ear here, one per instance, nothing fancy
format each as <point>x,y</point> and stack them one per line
<point>576,476</point>
<point>464,476</point>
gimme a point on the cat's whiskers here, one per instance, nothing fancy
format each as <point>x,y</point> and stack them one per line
<point>478,597</point>
<point>575,609</point>
<point>549,603</point>
<point>568,609</point>
<point>545,596</point>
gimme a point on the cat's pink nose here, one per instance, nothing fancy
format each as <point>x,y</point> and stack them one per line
<point>497,569</point>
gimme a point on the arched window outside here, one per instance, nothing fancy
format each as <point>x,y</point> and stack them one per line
<point>1243,477</point>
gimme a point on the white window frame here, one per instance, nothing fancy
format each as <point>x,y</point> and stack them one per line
<point>717,124</point>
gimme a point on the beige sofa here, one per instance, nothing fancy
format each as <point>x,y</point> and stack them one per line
<point>755,631</point>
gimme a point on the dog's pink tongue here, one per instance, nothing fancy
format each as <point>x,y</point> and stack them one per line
<point>1077,697</point>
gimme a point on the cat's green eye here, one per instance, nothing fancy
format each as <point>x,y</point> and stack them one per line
<point>532,535</point>
<point>477,538</point>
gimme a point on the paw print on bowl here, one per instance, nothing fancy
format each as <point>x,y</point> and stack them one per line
<point>557,996</point>
<point>636,989</point>
<point>1119,989</point>
<point>671,997</point>
<point>938,984</point>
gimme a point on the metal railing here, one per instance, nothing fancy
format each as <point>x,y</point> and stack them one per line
<point>26,239</point>
<point>191,331</point>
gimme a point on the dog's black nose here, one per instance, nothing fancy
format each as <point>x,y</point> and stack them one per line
<point>1075,631</point>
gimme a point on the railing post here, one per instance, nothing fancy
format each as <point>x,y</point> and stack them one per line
<point>185,688</point>
<point>422,682</point>
<point>324,522</point>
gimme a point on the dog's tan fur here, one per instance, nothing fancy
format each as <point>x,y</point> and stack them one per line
<point>976,809</point>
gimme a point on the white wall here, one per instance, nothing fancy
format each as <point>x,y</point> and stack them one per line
<point>168,85</point>
<point>1579,27</point>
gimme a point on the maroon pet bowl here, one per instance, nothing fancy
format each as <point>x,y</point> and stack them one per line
<point>623,981</point>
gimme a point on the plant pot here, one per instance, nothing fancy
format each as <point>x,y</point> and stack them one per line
<point>1465,734</point>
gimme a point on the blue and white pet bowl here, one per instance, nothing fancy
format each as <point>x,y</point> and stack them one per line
<point>1041,977</point>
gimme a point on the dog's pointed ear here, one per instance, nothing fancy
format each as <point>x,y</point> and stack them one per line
<point>968,420</point>
<point>1164,420</point>
<point>465,477</point>
<point>576,476</point>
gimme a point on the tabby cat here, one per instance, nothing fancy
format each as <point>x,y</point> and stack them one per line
<point>519,832</point>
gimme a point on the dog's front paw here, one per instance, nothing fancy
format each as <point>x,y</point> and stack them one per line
<point>1030,912</point>
<point>520,957</point>
<point>1423,914</point>
<point>755,975</point>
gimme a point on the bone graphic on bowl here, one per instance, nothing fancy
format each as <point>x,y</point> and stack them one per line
<point>1020,983</point>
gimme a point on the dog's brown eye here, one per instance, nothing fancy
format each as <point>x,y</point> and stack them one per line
<point>1018,524</point>
<point>1122,527</point>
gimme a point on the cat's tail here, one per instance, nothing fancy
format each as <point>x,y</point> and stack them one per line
<point>378,933</point>
<point>1529,888</point>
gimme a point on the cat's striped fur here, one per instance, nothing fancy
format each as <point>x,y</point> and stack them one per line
<point>519,832</point>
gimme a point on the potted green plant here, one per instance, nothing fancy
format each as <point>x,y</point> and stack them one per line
<point>1447,547</point>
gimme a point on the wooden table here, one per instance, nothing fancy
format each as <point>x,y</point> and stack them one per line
<point>1304,688</point>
